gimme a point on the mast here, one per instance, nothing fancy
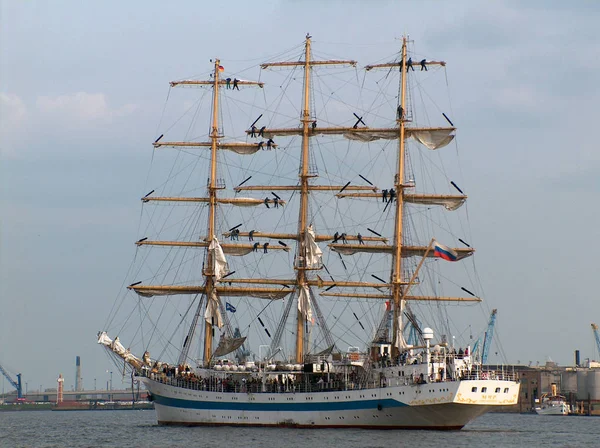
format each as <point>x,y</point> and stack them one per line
<point>301,273</point>
<point>304,175</point>
<point>399,181</point>
<point>212,194</point>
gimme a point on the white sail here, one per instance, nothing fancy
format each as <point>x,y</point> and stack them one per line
<point>433,139</point>
<point>400,341</point>
<point>212,315</point>
<point>450,203</point>
<point>104,339</point>
<point>117,347</point>
<point>304,304</point>
<point>237,251</point>
<point>219,262</point>
<point>227,345</point>
<point>371,136</point>
<point>314,253</point>
<point>243,150</point>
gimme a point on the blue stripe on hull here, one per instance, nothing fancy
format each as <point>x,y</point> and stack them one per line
<point>283,407</point>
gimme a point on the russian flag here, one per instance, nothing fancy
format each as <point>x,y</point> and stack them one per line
<point>441,251</point>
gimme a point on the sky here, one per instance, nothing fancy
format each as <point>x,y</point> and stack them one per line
<point>82,88</point>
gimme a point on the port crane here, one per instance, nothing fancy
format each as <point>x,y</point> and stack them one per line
<point>597,336</point>
<point>16,384</point>
<point>487,337</point>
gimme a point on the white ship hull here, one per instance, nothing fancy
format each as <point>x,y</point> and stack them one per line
<point>443,405</point>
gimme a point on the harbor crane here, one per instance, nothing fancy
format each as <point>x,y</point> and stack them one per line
<point>16,384</point>
<point>487,337</point>
<point>596,335</point>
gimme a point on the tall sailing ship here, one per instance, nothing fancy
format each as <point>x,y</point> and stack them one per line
<point>296,287</point>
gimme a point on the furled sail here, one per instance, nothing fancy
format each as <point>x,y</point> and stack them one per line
<point>246,202</point>
<point>243,150</point>
<point>304,305</point>
<point>407,251</point>
<point>400,341</point>
<point>433,139</point>
<point>219,261</point>
<point>351,249</point>
<point>117,348</point>
<point>313,251</point>
<point>237,251</point>
<point>212,315</point>
<point>373,135</point>
<point>227,345</point>
<point>449,202</point>
<point>224,291</point>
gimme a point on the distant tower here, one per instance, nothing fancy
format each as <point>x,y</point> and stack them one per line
<point>59,393</point>
<point>78,384</point>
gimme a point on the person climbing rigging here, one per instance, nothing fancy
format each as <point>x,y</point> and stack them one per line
<point>400,113</point>
<point>384,194</point>
<point>423,64</point>
<point>235,84</point>
<point>265,247</point>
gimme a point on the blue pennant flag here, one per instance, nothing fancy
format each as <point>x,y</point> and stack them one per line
<point>229,307</point>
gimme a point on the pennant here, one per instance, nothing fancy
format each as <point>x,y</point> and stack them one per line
<point>229,307</point>
<point>441,251</point>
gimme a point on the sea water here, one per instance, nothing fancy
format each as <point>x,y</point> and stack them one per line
<point>128,428</point>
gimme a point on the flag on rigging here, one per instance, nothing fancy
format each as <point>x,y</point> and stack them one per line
<point>221,68</point>
<point>229,307</point>
<point>441,251</point>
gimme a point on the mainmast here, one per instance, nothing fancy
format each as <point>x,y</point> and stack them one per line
<point>212,195</point>
<point>304,175</point>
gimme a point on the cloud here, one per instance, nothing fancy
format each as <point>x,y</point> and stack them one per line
<point>63,119</point>
<point>82,107</point>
